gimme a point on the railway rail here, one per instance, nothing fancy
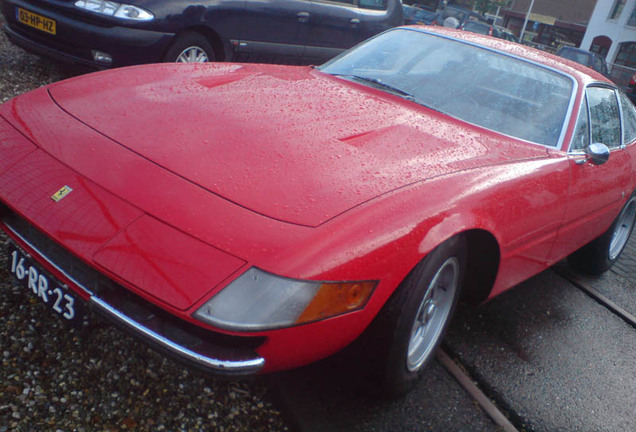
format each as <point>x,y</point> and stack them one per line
<point>484,396</point>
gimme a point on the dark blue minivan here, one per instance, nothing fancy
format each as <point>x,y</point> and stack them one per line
<point>103,33</point>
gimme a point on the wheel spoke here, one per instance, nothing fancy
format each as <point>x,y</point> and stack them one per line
<point>193,54</point>
<point>623,229</point>
<point>432,314</point>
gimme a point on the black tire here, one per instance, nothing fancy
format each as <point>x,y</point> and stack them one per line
<point>396,366</point>
<point>190,47</point>
<point>599,255</point>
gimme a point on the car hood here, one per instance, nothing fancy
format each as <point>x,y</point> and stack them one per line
<point>290,143</point>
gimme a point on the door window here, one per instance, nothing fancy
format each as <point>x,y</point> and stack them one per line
<point>581,138</point>
<point>629,119</point>
<point>604,116</point>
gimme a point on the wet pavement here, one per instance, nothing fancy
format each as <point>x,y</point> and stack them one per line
<point>551,357</point>
<point>320,398</point>
<point>626,265</point>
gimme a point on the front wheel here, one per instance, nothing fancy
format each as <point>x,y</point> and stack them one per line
<point>412,323</point>
<point>190,48</point>
<point>600,255</point>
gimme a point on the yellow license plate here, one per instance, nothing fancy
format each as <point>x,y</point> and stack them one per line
<point>36,21</point>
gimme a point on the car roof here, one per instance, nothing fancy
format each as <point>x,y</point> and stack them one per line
<point>580,50</point>
<point>469,13</point>
<point>477,22</point>
<point>581,73</point>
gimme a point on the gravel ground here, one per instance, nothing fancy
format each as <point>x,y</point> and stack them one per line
<point>56,378</point>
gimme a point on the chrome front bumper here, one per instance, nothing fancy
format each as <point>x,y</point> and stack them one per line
<point>203,349</point>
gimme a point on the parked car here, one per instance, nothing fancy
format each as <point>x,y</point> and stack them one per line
<point>103,34</point>
<point>279,213</point>
<point>631,88</point>
<point>490,30</point>
<point>456,17</point>
<point>587,58</point>
<point>414,15</point>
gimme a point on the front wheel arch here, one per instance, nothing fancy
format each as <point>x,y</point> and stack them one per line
<point>483,262</point>
<point>388,343</point>
<point>368,353</point>
<point>219,49</point>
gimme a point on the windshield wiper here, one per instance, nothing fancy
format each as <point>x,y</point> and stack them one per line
<point>378,83</point>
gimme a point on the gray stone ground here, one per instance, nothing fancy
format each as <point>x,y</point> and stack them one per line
<point>626,265</point>
<point>53,378</point>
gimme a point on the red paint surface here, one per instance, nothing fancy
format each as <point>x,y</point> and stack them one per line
<point>290,143</point>
<point>165,263</point>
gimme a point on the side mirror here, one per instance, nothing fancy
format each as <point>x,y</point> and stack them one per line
<point>597,153</point>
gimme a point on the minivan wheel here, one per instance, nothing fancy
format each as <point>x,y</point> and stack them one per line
<point>190,48</point>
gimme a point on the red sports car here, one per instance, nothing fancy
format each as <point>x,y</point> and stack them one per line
<point>250,218</point>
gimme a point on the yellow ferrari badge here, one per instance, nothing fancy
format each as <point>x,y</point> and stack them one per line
<point>57,196</point>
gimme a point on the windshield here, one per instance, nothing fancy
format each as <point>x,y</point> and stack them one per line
<point>486,88</point>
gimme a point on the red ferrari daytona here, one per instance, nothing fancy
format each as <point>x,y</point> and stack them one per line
<point>251,218</point>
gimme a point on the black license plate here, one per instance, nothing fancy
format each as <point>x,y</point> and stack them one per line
<point>45,287</point>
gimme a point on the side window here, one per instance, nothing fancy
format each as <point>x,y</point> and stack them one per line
<point>581,138</point>
<point>604,116</point>
<point>629,119</point>
<point>373,4</point>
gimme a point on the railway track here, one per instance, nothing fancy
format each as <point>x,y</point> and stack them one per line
<point>599,297</point>
<point>493,404</point>
<point>486,404</point>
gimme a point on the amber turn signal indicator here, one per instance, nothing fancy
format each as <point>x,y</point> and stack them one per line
<point>334,299</point>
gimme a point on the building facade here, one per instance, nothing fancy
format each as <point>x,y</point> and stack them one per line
<point>612,33</point>
<point>551,23</point>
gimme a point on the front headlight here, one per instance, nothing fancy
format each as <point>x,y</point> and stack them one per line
<point>258,300</point>
<point>114,9</point>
